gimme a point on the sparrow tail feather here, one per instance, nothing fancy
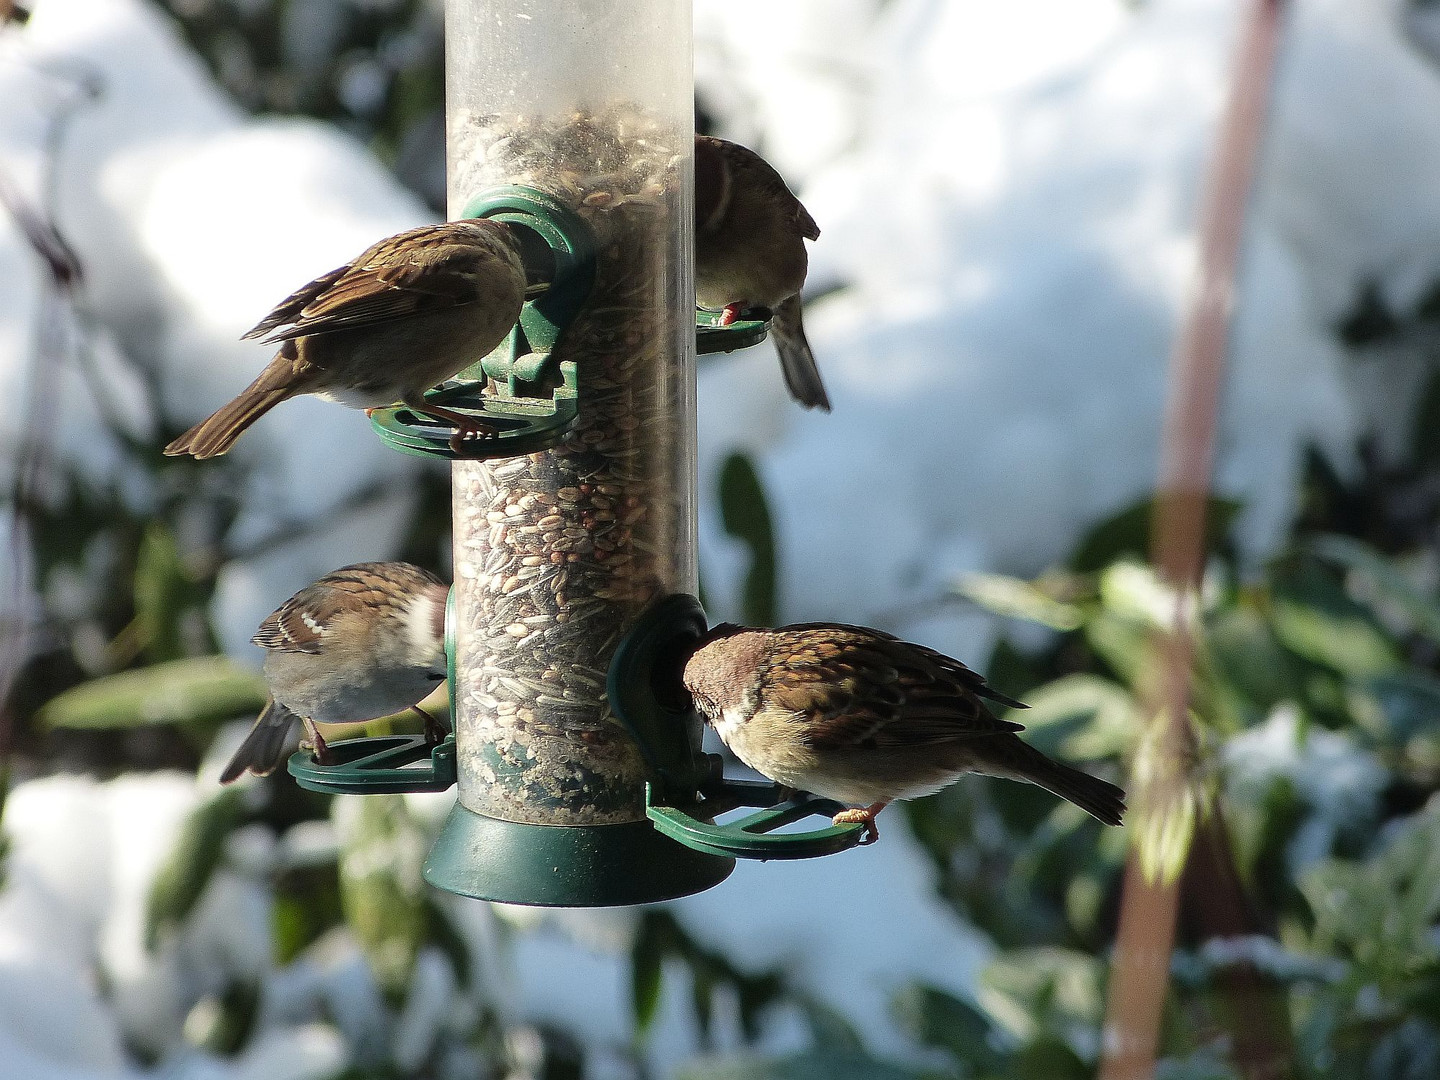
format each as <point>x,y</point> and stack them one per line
<point>215,434</point>
<point>264,748</point>
<point>802,376</point>
<point>1100,799</point>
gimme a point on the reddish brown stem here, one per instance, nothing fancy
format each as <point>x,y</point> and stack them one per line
<point>1140,974</point>
<point>1250,1005</point>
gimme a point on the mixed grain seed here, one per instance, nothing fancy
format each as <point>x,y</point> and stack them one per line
<point>558,552</point>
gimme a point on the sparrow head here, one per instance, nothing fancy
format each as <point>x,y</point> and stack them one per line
<point>724,670</point>
<point>500,240</point>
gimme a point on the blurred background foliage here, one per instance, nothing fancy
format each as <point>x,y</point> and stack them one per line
<point>1317,692</point>
<point>1311,891</point>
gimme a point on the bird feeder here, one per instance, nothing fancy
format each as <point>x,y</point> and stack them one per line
<point>575,748</point>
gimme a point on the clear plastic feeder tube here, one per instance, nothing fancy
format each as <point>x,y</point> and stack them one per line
<point>557,553</point>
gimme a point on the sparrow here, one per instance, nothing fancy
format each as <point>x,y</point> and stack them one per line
<point>750,234</point>
<point>410,312</point>
<point>861,717</point>
<point>364,641</point>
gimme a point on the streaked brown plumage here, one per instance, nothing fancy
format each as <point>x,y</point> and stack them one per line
<point>750,234</point>
<point>859,716</point>
<point>410,312</point>
<point>364,641</point>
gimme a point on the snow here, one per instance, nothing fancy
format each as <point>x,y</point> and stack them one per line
<point>1014,225</point>
<point>1007,195</point>
<point>159,175</point>
<point>71,918</point>
<point>1339,782</point>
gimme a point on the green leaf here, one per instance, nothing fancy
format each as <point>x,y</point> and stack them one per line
<point>1425,439</point>
<point>1030,991</point>
<point>1126,646</point>
<point>745,515</point>
<point>200,689</point>
<point>1408,703</point>
<point>1018,599</point>
<point>1315,619</point>
<point>1050,1057</point>
<point>1134,592</point>
<point>381,892</point>
<point>1127,534</point>
<point>4,795</point>
<point>647,973</point>
<point>222,1023</point>
<point>1261,820</point>
<point>1169,798</point>
<point>702,1000</point>
<point>161,592</point>
<point>187,870</point>
<point>1382,912</point>
<point>1163,833</point>
<point>818,1064</point>
<point>828,1026</point>
<point>448,938</point>
<point>1420,608</point>
<point>1081,716</point>
<point>933,1017</point>
<point>1249,660</point>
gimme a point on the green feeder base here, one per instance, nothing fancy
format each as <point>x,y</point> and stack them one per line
<point>566,866</point>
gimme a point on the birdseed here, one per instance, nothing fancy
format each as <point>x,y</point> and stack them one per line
<point>557,553</point>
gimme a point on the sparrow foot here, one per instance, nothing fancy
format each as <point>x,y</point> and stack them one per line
<point>862,816</point>
<point>435,731</point>
<point>465,432</point>
<point>315,742</point>
<point>466,426</point>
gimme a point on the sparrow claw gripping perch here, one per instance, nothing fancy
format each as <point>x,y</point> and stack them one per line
<point>435,731</point>
<point>315,742</point>
<point>862,816</point>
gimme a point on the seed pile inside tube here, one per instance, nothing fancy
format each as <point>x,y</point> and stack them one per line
<point>558,552</point>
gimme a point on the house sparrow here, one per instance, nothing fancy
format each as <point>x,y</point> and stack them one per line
<point>365,641</point>
<point>859,716</point>
<point>410,312</point>
<point>750,234</point>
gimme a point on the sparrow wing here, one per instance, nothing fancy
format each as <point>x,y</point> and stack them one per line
<point>868,690</point>
<point>301,623</point>
<point>417,272</point>
<point>288,310</point>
